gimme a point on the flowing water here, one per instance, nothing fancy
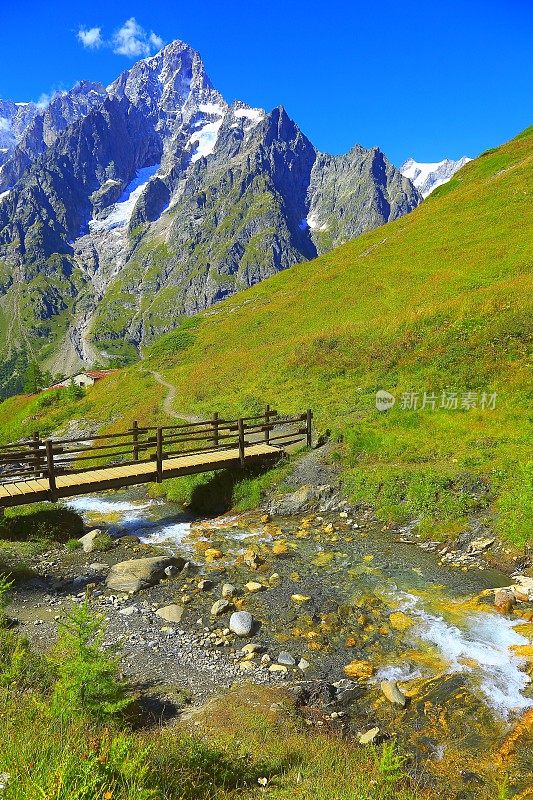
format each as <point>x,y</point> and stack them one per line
<point>458,636</point>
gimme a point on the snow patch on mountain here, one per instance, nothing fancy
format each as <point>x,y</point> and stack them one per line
<point>427,176</point>
<point>312,222</point>
<point>212,108</point>
<point>255,115</point>
<point>123,209</point>
<point>205,139</point>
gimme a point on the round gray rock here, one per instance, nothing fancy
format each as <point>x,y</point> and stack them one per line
<point>241,623</point>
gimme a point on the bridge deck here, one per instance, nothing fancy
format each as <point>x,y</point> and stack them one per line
<point>37,489</point>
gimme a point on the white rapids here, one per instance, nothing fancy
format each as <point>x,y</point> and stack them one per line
<point>132,514</point>
<point>481,648</point>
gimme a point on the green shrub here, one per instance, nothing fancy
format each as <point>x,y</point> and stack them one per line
<point>21,668</point>
<point>102,542</point>
<point>40,521</point>
<point>73,544</point>
<point>87,677</point>
<point>5,586</point>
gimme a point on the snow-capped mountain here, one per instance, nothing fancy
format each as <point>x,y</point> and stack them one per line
<point>14,119</point>
<point>426,177</point>
<point>123,208</point>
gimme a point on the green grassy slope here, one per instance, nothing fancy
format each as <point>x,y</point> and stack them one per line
<point>436,301</point>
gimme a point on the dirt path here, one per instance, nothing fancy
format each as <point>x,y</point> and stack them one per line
<point>168,401</point>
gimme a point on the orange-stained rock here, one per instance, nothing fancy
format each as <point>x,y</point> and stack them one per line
<point>504,600</point>
<point>400,621</point>
<point>212,554</point>
<point>359,669</point>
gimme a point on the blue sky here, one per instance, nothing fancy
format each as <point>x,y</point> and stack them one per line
<point>427,79</point>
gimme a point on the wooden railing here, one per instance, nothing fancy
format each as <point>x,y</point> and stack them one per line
<point>38,458</point>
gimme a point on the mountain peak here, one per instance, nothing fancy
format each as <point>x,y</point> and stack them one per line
<point>426,176</point>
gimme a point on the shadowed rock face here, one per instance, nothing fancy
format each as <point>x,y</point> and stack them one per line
<point>135,205</point>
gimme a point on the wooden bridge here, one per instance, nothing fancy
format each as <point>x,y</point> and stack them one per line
<point>51,469</point>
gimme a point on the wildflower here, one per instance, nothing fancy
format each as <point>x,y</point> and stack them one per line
<point>262,781</point>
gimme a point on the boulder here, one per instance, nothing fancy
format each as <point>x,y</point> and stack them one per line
<point>393,693</point>
<point>87,541</point>
<point>295,502</point>
<point>139,573</point>
<point>504,600</point>
<point>171,613</point>
<point>306,498</point>
<point>241,623</point>
<point>525,584</point>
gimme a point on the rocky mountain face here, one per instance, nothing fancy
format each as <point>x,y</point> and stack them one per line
<point>123,209</point>
<point>426,177</point>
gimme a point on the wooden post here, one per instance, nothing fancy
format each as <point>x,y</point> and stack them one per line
<point>135,429</point>
<point>267,429</point>
<point>241,441</point>
<point>215,429</point>
<point>36,443</point>
<point>309,417</point>
<point>159,455</point>
<point>51,471</point>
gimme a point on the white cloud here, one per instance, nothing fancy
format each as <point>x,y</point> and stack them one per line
<point>90,37</point>
<point>156,41</point>
<point>44,100</point>
<point>133,41</point>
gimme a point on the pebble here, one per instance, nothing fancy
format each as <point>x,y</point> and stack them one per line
<point>253,587</point>
<point>251,647</point>
<point>228,591</point>
<point>128,611</point>
<point>171,613</point>
<point>220,607</point>
<point>171,571</point>
<point>369,736</point>
<point>393,693</point>
<point>285,658</point>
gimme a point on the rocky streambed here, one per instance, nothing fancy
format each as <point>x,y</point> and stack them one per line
<point>377,633</point>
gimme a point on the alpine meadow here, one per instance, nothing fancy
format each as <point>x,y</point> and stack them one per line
<point>266,477</point>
